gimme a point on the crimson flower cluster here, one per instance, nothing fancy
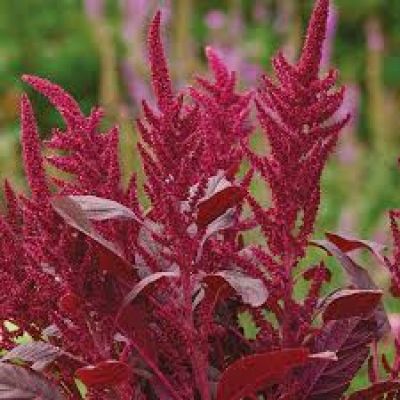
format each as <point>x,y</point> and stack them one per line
<point>119,302</point>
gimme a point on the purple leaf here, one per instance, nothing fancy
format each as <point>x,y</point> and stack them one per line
<point>349,339</point>
<point>347,244</point>
<point>51,330</point>
<point>147,283</point>
<point>251,290</point>
<point>224,221</point>
<point>358,277</point>
<point>19,383</point>
<point>73,214</point>
<point>100,209</point>
<point>216,205</point>
<point>39,353</point>
<point>351,303</point>
<point>111,258</point>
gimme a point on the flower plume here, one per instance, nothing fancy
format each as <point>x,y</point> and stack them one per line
<point>31,152</point>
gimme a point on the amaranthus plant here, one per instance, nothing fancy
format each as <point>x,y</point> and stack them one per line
<point>125,303</point>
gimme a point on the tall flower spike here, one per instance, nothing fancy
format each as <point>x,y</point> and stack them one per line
<point>159,70</point>
<point>312,51</point>
<point>293,113</point>
<point>91,156</point>
<point>224,116</point>
<point>61,100</point>
<point>170,131</point>
<point>31,152</point>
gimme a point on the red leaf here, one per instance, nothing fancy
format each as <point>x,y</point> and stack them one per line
<point>133,321</point>
<point>310,273</point>
<point>216,205</point>
<point>133,317</point>
<point>70,303</point>
<point>375,391</point>
<point>104,374</point>
<point>147,283</point>
<point>225,283</point>
<point>358,277</point>
<point>349,339</point>
<point>39,353</point>
<point>351,303</point>
<point>110,256</point>
<point>347,244</point>
<point>249,374</point>
<point>110,262</point>
<point>217,288</point>
<point>100,209</point>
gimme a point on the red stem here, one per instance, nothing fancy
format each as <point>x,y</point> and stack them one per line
<point>199,365</point>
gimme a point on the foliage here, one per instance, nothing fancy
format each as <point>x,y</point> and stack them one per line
<point>144,304</point>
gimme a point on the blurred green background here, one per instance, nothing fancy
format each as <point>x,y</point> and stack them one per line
<point>96,50</point>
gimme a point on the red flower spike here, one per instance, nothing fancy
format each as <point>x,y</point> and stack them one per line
<point>159,69</point>
<point>294,112</point>
<point>33,161</point>
<point>213,207</point>
<point>311,273</point>
<point>104,374</point>
<point>312,51</point>
<point>64,102</point>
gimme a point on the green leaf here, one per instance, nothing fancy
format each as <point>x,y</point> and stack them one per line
<point>246,322</point>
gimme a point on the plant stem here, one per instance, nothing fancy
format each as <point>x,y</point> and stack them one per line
<point>199,364</point>
<point>287,315</point>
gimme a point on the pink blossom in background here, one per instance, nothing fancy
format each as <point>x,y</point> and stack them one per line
<point>260,11</point>
<point>347,150</point>
<point>394,320</point>
<point>215,19</point>
<point>136,13</point>
<point>330,37</point>
<point>347,221</point>
<point>375,38</point>
<point>137,87</point>
<point>94,8</point>
<point>219,26</point>
<point>135,16</point>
